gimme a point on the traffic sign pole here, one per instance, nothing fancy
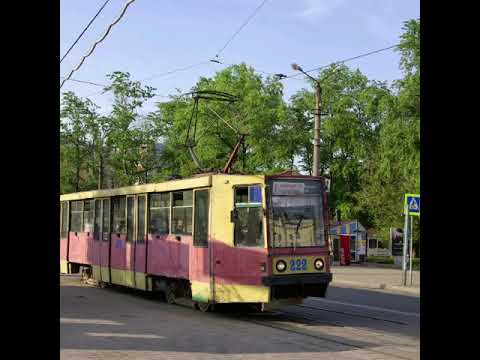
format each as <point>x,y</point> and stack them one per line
<point>411,250</point>
<point>405,242</point>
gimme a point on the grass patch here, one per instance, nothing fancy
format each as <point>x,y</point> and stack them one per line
<point>389,260</point>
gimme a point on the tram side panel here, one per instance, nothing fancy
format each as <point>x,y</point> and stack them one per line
<point>64,216</point>
<point>237,270</point>
<point>168,255</point>
<point>118,258</point>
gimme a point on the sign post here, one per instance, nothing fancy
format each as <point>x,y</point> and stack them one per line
<point>411,208</point>
<point>405,242</point>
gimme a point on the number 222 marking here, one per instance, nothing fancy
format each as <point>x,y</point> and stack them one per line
<point>300,264</point>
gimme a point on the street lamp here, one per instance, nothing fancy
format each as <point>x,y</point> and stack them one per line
<point>316,132</point>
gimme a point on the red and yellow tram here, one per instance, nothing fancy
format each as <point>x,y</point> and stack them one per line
<point>213,238</point>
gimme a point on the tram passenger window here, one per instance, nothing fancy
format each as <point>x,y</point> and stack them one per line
<point>106,220</point>
<point>97,226</point>
<point>64,219</point>
<point>119,221</point>
<point>200,237</point>
<point>141,219</point>
<point>76,217</point>
<point>88,216</point>
<point>159,213</point>
<point>249,220</point>
<point>182,212</point>
<point>248,227</point>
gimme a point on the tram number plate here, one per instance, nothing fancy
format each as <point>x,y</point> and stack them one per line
<point>298,264</point>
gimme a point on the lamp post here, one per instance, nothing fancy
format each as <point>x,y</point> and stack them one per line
<point>316,130</point>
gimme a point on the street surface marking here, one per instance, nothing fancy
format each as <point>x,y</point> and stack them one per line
<point>136,336</point>
<point>89,321</point>
<point>367,307</point>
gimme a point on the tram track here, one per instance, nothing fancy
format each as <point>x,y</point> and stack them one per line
<point>352,314</point>
<point>313,334</point>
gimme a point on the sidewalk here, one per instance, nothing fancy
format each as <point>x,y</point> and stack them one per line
<point>377,278</point>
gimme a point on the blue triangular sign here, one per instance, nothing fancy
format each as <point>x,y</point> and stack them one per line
<point>413,205</point>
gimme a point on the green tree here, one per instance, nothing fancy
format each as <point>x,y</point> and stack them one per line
<point>395,167</point>
<point>257,113</point>
<point>355,108</point>
<point>76,142</point>
<point>130,138</point>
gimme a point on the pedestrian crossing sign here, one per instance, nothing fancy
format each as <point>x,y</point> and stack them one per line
<point>412,203</point>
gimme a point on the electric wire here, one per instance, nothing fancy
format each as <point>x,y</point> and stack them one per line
<point>86,82</point>
<point>342,61</point>
<point>98,41</point>
<point>84,30</point>
<point>241,27</point>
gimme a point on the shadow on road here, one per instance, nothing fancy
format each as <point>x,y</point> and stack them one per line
<point>121,319</point>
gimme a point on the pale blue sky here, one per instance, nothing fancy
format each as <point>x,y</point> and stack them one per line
<point>157,36</point>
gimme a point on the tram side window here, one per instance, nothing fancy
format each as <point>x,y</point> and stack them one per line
<point>64,219</point>
<point>106,219</point>
<point>182,212</point>
<point>97,226</point>
<point>159,213</point>
<point>76,217</point>
<point>119,215</point>
<point>249,216</point>
<point>200,237</point>
<point>88,206</point>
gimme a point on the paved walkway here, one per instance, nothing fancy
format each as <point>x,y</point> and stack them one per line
<point>357,275</point>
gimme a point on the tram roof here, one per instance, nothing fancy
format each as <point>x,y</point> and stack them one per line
<point>198,181</point>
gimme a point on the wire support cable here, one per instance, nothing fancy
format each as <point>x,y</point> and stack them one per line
<point>98,42</point>
<point>240,28</point>
<point>84,30</point>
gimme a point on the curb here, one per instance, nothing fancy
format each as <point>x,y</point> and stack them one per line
<point>383,287</point>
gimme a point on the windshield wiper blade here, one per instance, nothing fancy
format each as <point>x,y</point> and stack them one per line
<point>298,225</point>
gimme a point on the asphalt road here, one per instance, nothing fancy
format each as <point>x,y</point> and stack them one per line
<point>349,324</point>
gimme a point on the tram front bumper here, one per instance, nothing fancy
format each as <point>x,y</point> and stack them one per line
<point>297,279</point>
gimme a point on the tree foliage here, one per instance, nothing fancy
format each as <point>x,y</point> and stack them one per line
<point>370,134</point>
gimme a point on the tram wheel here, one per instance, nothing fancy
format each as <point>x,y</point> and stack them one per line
<point>102,284</point>
<point>170,294</point>
<point>203,307</point>
<point>85,274</point>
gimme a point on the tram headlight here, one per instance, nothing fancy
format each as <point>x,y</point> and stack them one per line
<point>281,265</point>
<point>319,264</point>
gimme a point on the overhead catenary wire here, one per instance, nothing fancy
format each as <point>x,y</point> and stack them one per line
<point>293,75</point>
<point>86,82</point>
<point>162,74</point>
<point>241,27</point>
<point>98,41</point>
<point>84,30</point>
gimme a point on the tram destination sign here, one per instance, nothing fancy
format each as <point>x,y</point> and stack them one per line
<point>412,202</point>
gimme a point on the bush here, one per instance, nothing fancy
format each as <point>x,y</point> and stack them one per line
<point>389,260</point>
<point>380,259</point>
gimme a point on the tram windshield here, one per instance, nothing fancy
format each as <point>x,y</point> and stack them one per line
<point>296,213</point>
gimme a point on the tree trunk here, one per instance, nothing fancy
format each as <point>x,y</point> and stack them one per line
<point>100,171</point>
<point>77,170</point>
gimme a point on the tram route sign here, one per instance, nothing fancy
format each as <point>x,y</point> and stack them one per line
<point>412,202</point>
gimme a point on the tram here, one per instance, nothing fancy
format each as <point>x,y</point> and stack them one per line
<point>213,238</point>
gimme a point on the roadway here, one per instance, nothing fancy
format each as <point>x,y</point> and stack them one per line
<point>349,324</point>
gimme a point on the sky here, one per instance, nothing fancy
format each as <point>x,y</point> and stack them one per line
<point>158,36</point>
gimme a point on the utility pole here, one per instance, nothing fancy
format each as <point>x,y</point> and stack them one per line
<point>316,133</point>
<point>316,129</point>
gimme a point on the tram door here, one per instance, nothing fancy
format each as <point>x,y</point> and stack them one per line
<point>139,261</point>
<point>105,242</point>
<point>130,243</point>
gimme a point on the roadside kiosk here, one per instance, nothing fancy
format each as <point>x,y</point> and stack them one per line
<point>348,241</point>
